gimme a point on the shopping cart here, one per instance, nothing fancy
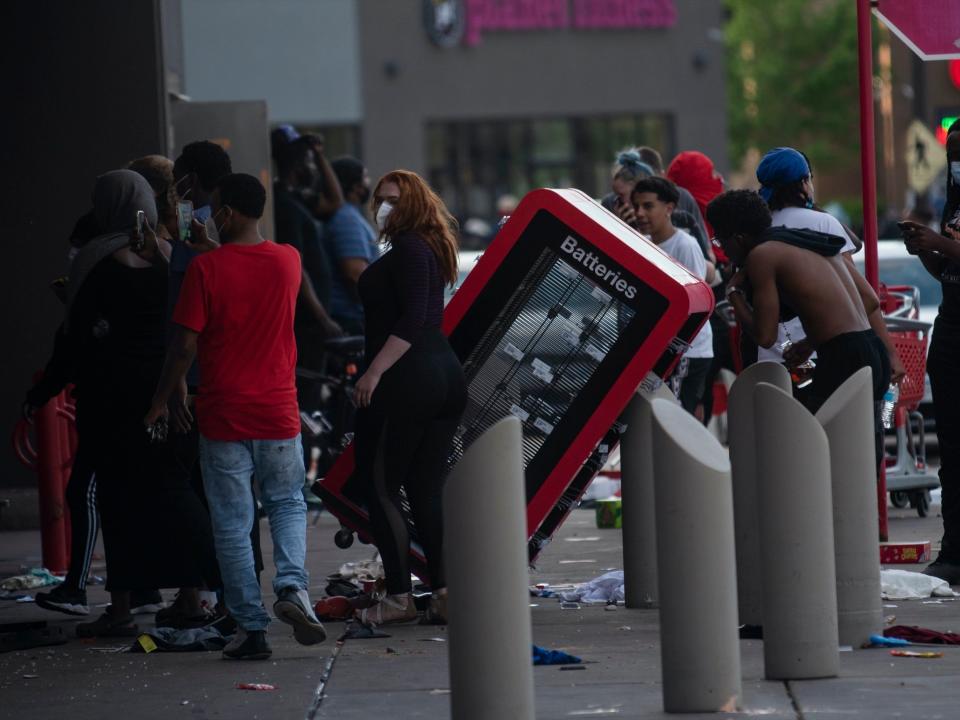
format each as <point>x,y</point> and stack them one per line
<point>908,477</point>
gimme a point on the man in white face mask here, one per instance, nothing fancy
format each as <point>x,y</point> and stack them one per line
<point>351,243</point>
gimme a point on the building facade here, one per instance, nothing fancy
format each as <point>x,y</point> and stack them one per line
<point>482,97</point>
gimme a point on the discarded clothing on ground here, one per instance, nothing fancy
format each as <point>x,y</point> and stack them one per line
<point>602,590</point>
<point>542,656</point>
<point>922,635</point>
<point>35,578</point>
<point>359,631</point>
<point>908,585</point>
<point>187,640</point>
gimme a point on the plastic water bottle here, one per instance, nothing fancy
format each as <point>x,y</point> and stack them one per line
<point>890,398</point>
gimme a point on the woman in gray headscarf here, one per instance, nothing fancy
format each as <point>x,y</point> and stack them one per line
<point>116,320</point>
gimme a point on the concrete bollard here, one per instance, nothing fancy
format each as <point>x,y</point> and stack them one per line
<point>485,546</point>
<point>639,514</point>
<point>741,435</point>
<point>796,534</point>
<point>847,418</point>
<point>699,646</point>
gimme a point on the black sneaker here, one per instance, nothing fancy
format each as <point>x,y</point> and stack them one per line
<point>943,569</point>
<point>144,602</point>
<point>64,599</point>
<point>248,645</point>
<point>108,625</point>
<point>293,608</point>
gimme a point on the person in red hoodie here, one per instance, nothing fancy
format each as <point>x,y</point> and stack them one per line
<point>695,172</point>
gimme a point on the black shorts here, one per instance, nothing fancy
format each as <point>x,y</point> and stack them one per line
<point>841,356</point>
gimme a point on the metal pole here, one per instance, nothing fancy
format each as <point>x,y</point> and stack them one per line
<point>485,546</point>
<point>743,463</point>
<point>699,647</point>
<point>639,514</point>
<point>847,418</point>
<point>796,533</point>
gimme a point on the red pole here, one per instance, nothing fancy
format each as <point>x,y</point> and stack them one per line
<point>868,178</point>
<point>868,165</point>
<point>50,454</point>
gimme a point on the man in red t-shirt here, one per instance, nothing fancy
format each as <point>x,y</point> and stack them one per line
<point>235,312</point>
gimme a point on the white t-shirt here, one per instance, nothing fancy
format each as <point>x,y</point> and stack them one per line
<point>683,248</point>
<point>798,218</point>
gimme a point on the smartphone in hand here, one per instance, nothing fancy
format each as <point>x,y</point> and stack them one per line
<point>184,220</point>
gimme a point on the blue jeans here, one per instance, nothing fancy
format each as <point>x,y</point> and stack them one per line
<point>277,466</point>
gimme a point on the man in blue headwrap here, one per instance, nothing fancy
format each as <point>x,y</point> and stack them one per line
<point>784,170</point>
<point>787,187</point>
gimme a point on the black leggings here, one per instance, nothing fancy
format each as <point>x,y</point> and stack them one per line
<point>943,362</point>
<point>838,359</point>
<point>402,442</point>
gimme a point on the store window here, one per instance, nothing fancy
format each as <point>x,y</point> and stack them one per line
<point>473,163</point>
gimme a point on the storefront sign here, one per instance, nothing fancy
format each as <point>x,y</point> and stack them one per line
<point>448,22</point>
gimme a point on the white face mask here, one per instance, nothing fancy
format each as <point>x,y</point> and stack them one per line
<point>383,212</point>
<point>955,171</point>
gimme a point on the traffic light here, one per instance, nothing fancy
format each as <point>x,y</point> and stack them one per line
<point>945,123</point>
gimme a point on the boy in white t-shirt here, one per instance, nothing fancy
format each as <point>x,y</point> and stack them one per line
<point>654,200</point>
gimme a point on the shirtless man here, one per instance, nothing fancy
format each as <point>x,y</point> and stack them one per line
<point>803,271</point>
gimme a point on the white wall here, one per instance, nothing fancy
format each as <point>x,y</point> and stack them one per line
<point>301,56</point>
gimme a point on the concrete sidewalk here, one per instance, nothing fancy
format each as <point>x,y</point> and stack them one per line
<point>405,676</point>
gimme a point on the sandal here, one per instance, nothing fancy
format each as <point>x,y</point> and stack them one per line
<point>391,609</point>
<point>436,614</point>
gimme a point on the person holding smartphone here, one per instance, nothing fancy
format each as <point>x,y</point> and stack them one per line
<point>940,255</point>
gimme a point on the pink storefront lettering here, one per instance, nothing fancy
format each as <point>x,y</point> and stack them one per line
<point>614,14</point>
<point>513,15</point>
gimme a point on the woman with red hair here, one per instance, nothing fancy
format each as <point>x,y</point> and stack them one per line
<point>413,392</point>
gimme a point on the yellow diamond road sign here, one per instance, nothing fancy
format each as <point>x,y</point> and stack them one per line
<point>925,157</point>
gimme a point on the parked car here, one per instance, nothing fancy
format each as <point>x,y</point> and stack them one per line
<point>898,267</point>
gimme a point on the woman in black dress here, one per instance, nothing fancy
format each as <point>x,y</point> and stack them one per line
<point>413,392</point>
<point>155,530</point>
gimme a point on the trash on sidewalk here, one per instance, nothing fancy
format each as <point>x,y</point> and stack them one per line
<point>610,513</point>
<point>25,599</point>
<point>916,654</point>
<point>922,635</point>
<point>900,553</point>
<point>167,639</point>
<point>337,607</point>
<point>355,578</point>
<point>255,686</point>
<point>606,589</point>
<point>908,585</point>
<point>542,656</point>
<point>34,578</point>
<point>359,631</point>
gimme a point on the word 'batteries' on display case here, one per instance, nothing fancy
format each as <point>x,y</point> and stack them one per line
<point>565,315</point>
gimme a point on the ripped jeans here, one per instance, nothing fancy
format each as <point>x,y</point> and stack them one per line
<point>277,466</point>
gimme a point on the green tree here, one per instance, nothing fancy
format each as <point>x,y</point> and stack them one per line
<point>792,78</point>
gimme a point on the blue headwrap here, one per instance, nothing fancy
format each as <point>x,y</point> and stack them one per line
<point>780,166</point>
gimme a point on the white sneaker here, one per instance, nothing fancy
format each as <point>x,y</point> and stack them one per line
<point>293,608</point>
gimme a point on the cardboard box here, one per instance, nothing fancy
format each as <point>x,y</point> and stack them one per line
<point>610,513</point>
<point>900,553</point>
